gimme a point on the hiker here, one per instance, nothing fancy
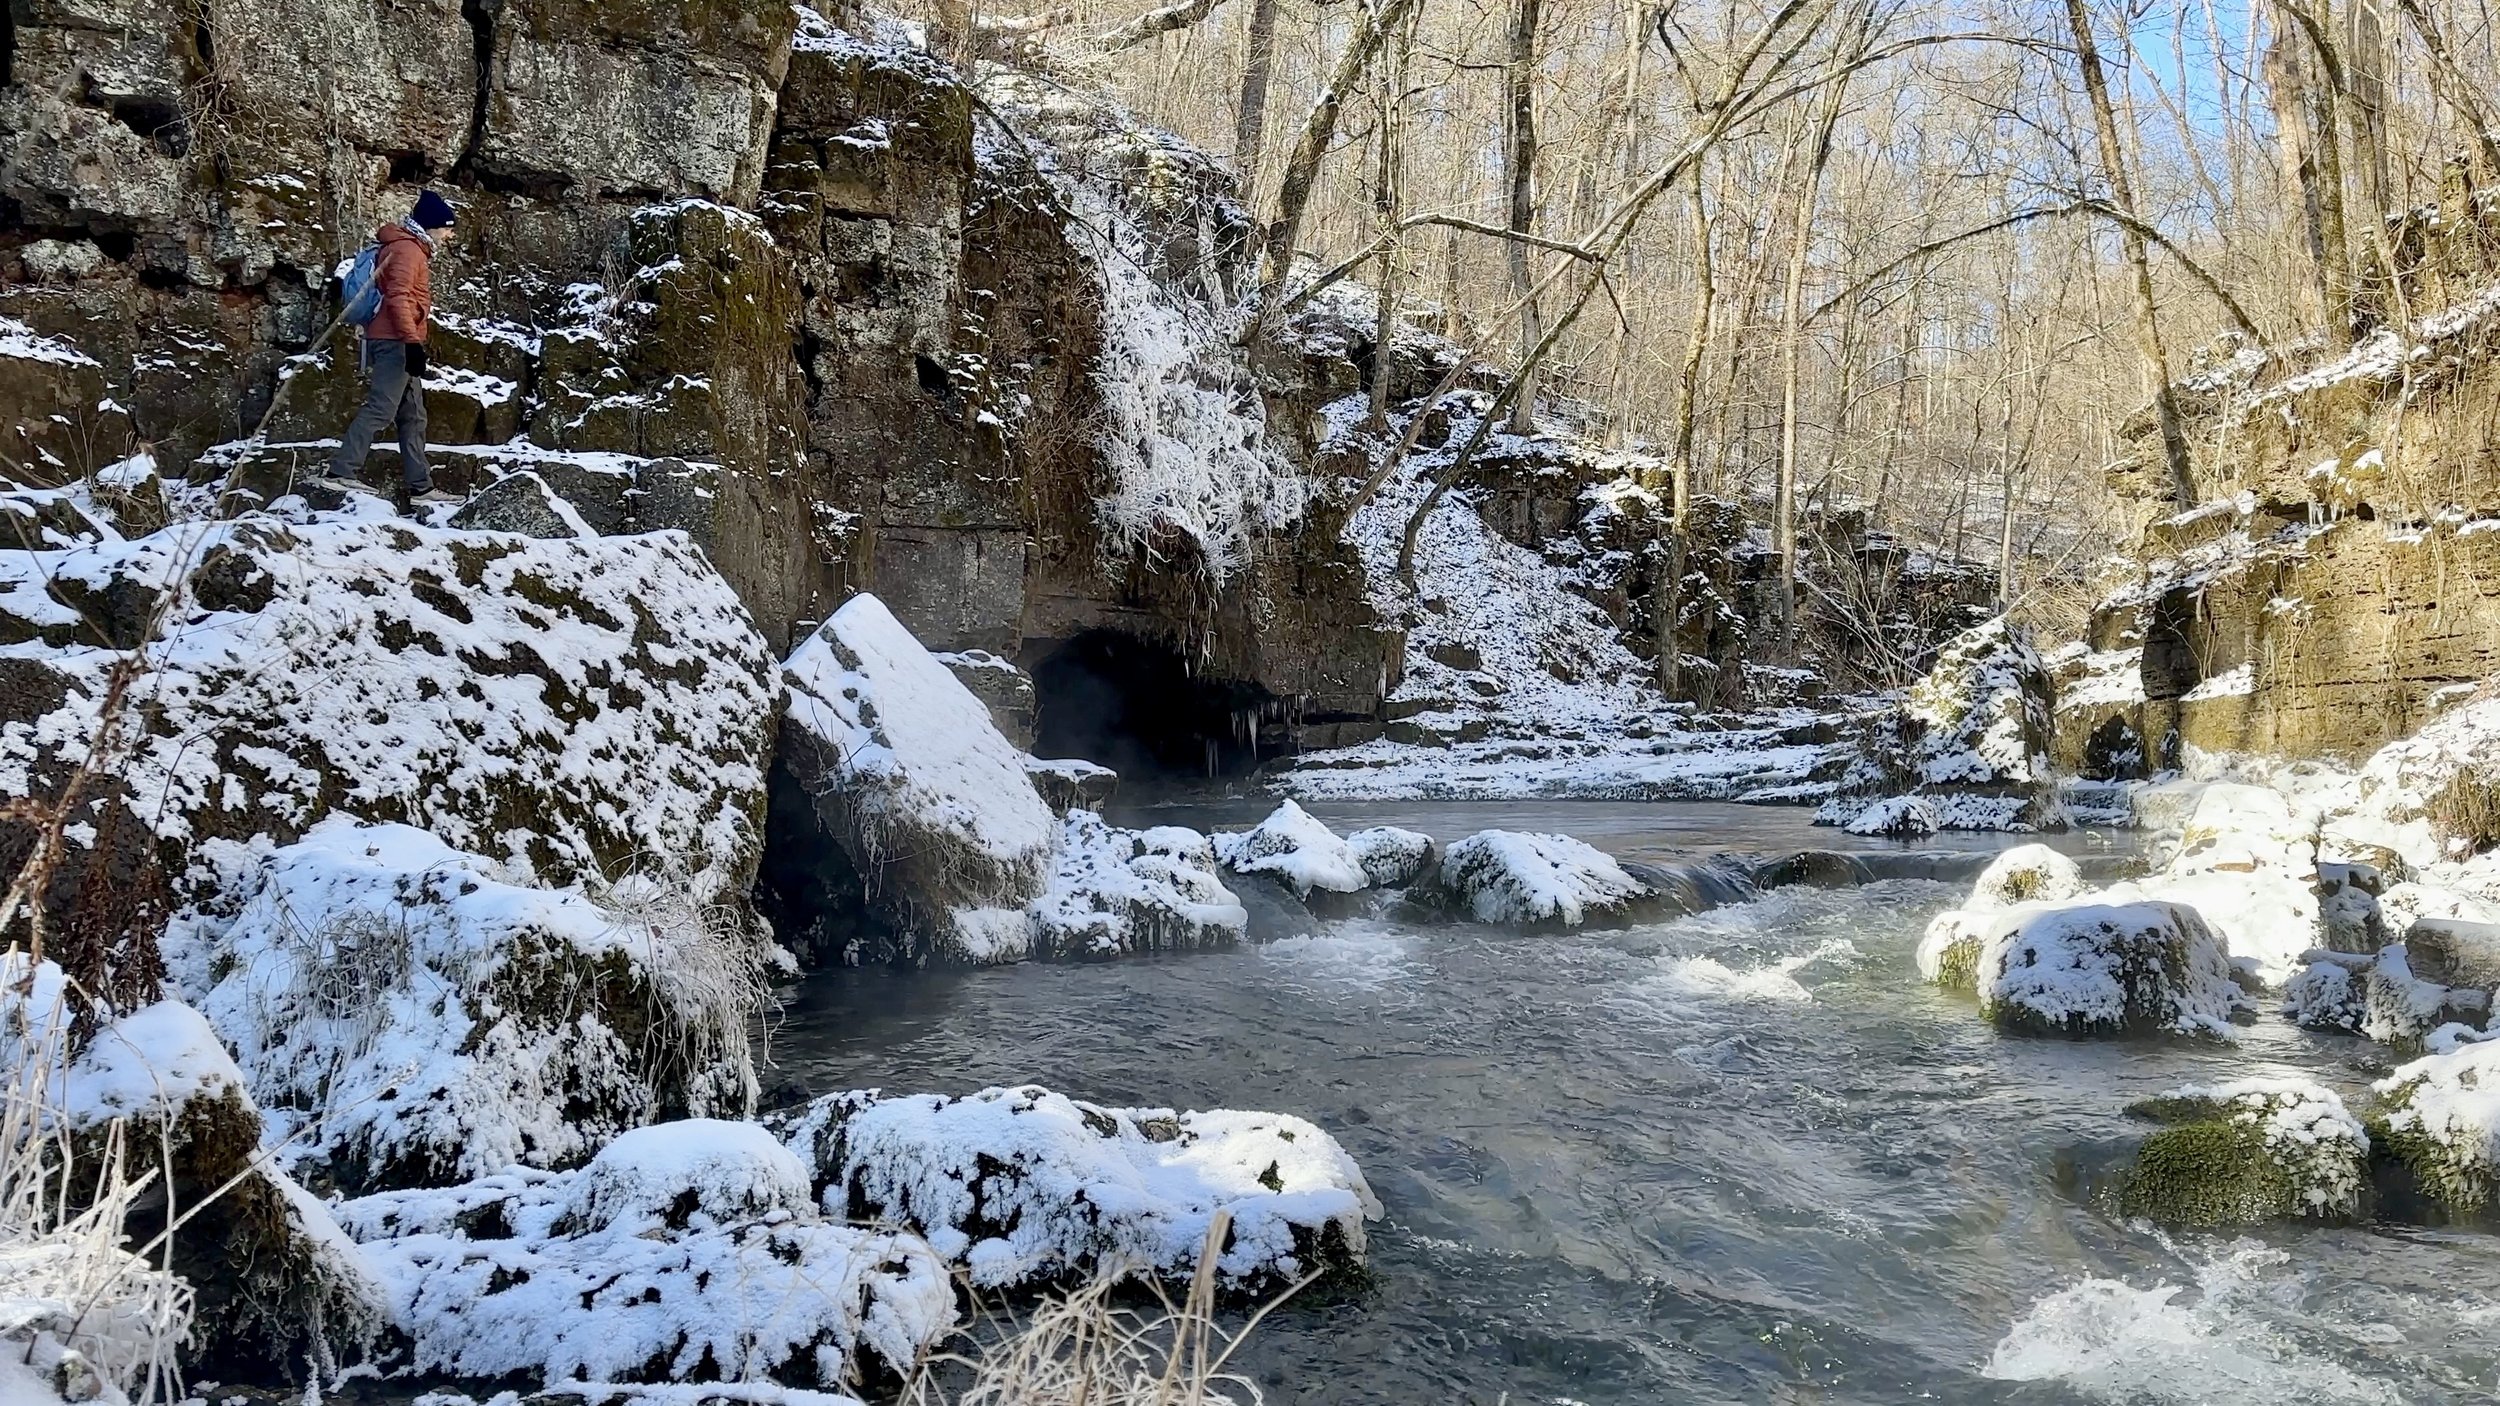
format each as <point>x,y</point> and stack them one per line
<point>394,350</point>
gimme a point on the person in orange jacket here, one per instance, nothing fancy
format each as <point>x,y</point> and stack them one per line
<point>394,353</point>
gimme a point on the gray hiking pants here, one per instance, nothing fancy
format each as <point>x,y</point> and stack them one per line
<point>389,392</point>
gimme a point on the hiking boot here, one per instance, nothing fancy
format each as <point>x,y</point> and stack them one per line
<point>434,495</point>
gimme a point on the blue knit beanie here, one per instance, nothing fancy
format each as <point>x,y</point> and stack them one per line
<point>432,212</point>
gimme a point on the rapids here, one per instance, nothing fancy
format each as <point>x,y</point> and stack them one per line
<point>1740,1156</point>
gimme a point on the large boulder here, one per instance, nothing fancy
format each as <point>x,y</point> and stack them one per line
<point>409,1017</point>
<point>1024,1187</point>
<point>1970,742</point>
<point>688,1249</point>
<point>572,709</point>
<point>1545,881</point>
<point>2440,1118</point>
<point>277,1286</point>
<point>2246,1152</point>
<point>891,766</point>
<point>2105,963</point>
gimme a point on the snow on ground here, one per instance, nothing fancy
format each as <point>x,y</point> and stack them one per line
<point>553,704</point>
<point>682,1249</point>
<point>406,1014</point>
<point>1771,756</point>
<point>1023,1186</point>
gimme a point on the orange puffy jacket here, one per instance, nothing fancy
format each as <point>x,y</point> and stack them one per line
<point>404,269</point>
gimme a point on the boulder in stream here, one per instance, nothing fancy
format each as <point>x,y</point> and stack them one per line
<point>1023,1187</point>
<point>1295,846</point>
<point>1543,881</point>
<point>2246,1152</point>
<point>2440,1117</point>
<point>2109,963</point>
<point>683,1250</point>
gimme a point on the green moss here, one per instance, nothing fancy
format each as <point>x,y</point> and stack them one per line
<point>2215,1165</point>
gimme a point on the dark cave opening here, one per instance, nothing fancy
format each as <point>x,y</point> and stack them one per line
<point>1136,706</point>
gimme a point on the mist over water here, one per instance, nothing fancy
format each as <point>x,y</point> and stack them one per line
<point>1740,1156</point>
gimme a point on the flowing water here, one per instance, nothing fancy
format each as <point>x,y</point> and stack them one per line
<point>1742,1156</point>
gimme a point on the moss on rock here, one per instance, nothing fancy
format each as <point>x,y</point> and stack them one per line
<point>2247,1152</point>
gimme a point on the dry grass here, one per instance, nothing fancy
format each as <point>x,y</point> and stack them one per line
<point>1084,1348</point>
<point>80,1309</point>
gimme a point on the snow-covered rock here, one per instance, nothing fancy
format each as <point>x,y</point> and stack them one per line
<point>1022,1186</point>
<point>1901,817</point>
<point>902,770</point>
<point>2404,904</point>
<point>1970,740</point>
<point>561,706</point>
<point>1114,891</point>
<point>2245,1152</point>
<point>2442,1119</point>
<point>2026,874</point>
<point>2455,952</point>
<point>276,1283</point>
<point>1297,848</point>
<point>2248,863</point>
<point>683,1250</point>
<point>1533,880</point>
<point>521,502</point>
<point>2380,996</point>
<point>1391,857</point>
<point>2434,795</point>
<point>407,1016</point>
<point>2105,963</point>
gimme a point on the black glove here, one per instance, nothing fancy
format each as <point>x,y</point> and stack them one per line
<point>416,361</point>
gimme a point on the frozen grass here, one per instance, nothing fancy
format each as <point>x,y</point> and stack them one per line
<point>1085,1348</point>
<point>80,1315</point>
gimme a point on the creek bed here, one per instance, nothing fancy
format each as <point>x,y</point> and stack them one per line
<point>1739,1156</point>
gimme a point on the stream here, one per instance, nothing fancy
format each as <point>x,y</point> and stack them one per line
<point>1740,1156</point>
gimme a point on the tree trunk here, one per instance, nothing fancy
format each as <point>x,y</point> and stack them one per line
<point>1388,180</point>
<point>1792,355</point>
<point>2287,91</point>
<point>1250,118</point>
<point>1519,174</point>
<point>1319,130</point>
<point>1680,453</point>
<point>2174,444</point>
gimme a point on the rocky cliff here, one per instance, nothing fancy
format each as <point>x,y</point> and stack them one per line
<point>2339,580</point>
<point>726,267</point>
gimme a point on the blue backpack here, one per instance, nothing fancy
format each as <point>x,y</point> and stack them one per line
<point>361,290</point>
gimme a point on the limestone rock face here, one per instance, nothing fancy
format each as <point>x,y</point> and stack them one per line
<point>635,97</point>
<point>561,706</point>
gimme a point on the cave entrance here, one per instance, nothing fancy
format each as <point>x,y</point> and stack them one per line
<point>1136,706</point>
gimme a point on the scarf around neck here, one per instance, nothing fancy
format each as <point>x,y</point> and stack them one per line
<point>409,223</point>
